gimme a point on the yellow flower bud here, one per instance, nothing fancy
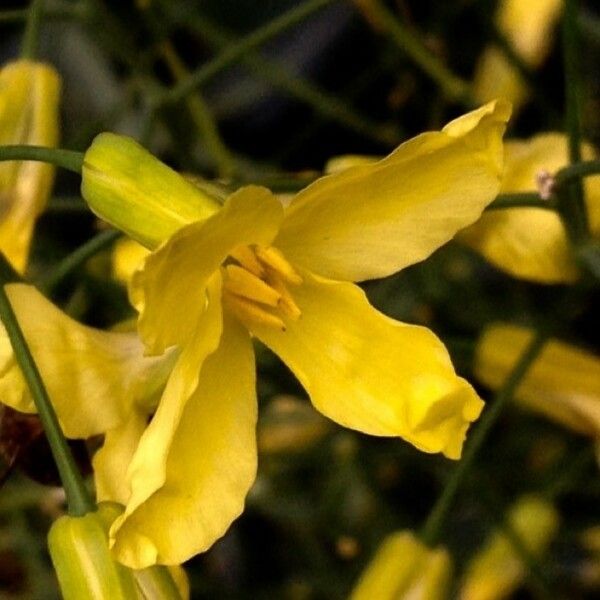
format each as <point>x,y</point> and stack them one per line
<point>82,560</point>
<point>497,570</point>
<point>134,191</point>
<point>29,95</point>
<point>404,568</point>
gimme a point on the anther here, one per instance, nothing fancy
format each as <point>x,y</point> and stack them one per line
<point>246,257</point>
<point>241,282</point>
<point>271,257</point>
<point>248,311</point>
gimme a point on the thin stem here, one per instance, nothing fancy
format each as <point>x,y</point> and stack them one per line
<point>321,101</point>
<point>410,43</point>
<point>78,499</point>
<point>73,261</point>
<point>521,200</point>
<point>67,159</point>
<point>432,528</point>
<point>577,171</point>
<point>201,115</point>
<point>235,52</point>
<point>571,200</point>
<point>62,11</point>
<point>32,30</point>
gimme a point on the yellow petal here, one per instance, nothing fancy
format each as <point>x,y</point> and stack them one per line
<point>531,243</point>
<point>127,257</point>
<point>210,468</point>
<point>137,193</point>
<point>497,570</point>
<point>404,568</point>
<point>372,220</point>
<point>563,383</point>
<point>147,470</point>
<point>110,462</point>
<point>94,378</point>
<point>527,26</point>
<point>371,373</point>
<point>29,97</point>
<point>169,291</point>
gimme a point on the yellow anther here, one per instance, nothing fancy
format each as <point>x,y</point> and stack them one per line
<point>246,257</point>
<point>249,312</point>
<point>241,282</point>
<point>272,258</point>
<point>286,304</point>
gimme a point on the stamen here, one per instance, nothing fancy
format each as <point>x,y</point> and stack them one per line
<point>286,303</point>
<point>271,257</point>
<point>248,260</point>
<point>246,310</point>
<point>243,283</point>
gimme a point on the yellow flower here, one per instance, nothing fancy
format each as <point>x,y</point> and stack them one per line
<point>497,570</point>
<point>531,243</point>
<point>527,26</point>
<point>127,256</point>
<point>282,275</point>
<point>563,383</point>
<point>29,93</point>
<point>404,568</point>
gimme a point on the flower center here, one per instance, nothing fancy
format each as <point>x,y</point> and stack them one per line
<point>255,286</point>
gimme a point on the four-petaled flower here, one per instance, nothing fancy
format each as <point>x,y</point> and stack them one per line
<point>254,269</point>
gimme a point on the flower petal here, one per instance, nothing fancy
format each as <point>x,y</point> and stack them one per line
<point>168,291</point>
<point>93,377</point>
<point>210,468</point>
<point>372,220</point>
<point>371,373</point>
<point>563,383</point>
<point>116,452</point>
<point>147,470</point>
<point>531,243</point>
<point>29,97</point>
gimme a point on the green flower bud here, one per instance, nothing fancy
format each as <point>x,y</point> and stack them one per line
<point>82,560</point>
<point>137,193</point>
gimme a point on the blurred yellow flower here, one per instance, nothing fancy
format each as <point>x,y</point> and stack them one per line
<point>527,26</point>
<point>404,568</point>
<point>497,570</point>
<point>563,383</point>
<point>253,268</point>
<point>531,243</point>
<point>29,94</point>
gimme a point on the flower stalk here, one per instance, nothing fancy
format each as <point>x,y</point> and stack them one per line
<point>78,499</point>
<point>32,30</point>
<point>432,528</point>
<point>67,159</point>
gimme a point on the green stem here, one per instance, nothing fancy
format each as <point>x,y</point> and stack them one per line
<point>32,30</point>
<point>78,499</point>
<point>62,11</point>
<point>521,200</point>
<point>410,43</point>
<point>571,200</point>
<point>67,159</point>
<point>576,171</point>
<point>432,528</point>
<point>235,52</point>
<point>73,261</point>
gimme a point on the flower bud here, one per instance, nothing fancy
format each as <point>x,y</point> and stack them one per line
<point>134,191</point>
<point>404,568</point>
<point>497,570</point>
<point>82,560</point>
<point>29,95</point>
